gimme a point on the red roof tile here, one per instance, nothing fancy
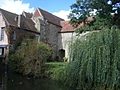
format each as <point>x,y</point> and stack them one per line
<point>36,14</point>
<point>67,27</point>
<point>89,19</point>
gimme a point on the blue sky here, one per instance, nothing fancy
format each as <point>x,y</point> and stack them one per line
<point>60,8</point>
<point>51,5</point>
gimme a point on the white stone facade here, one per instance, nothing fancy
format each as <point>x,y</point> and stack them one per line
<point>66,38</point>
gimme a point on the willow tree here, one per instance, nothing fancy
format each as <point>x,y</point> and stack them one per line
<point>96,60</point>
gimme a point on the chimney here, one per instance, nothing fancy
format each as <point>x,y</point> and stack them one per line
<point>21,21</point>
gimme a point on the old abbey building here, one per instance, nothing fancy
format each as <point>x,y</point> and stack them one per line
<point>41,25</point>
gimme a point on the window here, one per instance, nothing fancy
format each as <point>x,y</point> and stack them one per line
<point>37,38</point>
<point>14,35</point>
<point>0,51</point>
<point>2,34</point>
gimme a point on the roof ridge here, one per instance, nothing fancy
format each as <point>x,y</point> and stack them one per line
<point>50,13</point>
<point>27,14</point>
<point>8,11</point>
<point>10,19</point>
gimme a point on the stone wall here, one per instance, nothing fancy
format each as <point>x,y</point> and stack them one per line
<point>52,39</point>
<point>48,34</point>
<point>65,39</point>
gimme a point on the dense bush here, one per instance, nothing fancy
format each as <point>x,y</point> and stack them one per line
<point>30,57</point>
<point>96,61</point>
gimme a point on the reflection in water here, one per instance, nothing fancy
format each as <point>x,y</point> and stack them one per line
<point>13,81</point>
<point>18,82</point>
<point>4,80</point>
<point>3,76</point>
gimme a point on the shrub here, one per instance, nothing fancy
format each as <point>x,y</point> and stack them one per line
<point>56,70</point>
<point>30,57</point>
<point>96,61</point>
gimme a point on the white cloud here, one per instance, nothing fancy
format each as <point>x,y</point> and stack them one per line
<point>15,6</point>
<point>62,14</point>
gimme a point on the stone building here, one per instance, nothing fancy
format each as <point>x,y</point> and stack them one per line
<point>66,36</point>
<point>41,25</point>
<point>14,28</point>
<point>48,25</point>
<point>55,32</point>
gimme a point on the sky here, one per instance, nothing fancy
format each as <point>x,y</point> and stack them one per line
<point>60,8</point>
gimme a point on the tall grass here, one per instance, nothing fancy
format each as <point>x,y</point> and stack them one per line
<point>96,61</point>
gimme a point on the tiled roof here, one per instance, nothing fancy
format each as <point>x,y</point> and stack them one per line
<point>29,24</point>
<point>89,19</point>
<point>67,27</point>
<point>27,14</point>
<point>50,17</point>
<point>10,19</point>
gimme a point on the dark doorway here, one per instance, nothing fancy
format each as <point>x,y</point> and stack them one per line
<point>61,54</point>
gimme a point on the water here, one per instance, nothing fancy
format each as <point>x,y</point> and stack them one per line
<point>14,81</point>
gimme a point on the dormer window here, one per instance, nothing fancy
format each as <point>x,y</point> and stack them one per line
<point>16,18</point>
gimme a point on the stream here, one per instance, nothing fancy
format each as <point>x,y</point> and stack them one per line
<point>13,81</point>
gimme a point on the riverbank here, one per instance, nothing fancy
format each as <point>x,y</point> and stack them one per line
<point>54,68</point>
<point>16,81</point>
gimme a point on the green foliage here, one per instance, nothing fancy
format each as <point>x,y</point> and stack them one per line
<point>56,70</point>
<point>30,57</point>
<point>82,29</point>
<point>65,59</point>
<point>82,9</point>
<point>96,61</point>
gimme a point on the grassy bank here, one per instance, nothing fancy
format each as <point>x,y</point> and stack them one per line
<point>55,70</point>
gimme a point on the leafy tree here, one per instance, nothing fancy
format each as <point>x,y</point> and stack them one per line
<point>107,13</point>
